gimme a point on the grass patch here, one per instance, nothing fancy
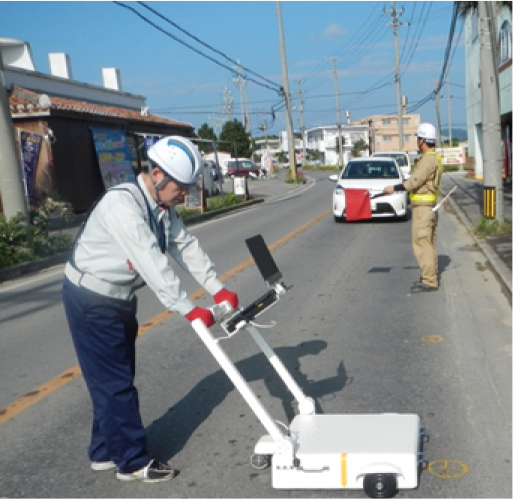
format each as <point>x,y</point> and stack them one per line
<point>486,227</point>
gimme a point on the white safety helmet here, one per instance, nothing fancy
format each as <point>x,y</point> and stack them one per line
<point>427,132</point>
<point>178,157</point>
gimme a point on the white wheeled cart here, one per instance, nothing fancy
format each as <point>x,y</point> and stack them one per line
<point>379,453</point>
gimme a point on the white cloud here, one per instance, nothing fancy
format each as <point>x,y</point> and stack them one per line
<point>333,31</point>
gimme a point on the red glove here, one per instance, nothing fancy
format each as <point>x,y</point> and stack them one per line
<point>201,313</point>
<point>225,295</point>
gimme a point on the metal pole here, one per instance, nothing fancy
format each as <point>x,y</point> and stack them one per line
<point>339,123</point>
<point>12,187</point>
<point>490,108</point>
<point>288,113</point>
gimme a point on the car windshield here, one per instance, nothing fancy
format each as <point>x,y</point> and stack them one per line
<point>399,158</point>
<point>370,169</point>
<point>241,164</point>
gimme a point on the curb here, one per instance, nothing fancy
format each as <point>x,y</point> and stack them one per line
<point>29,267</point>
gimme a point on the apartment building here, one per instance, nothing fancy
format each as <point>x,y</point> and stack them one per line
<point>384,132</point>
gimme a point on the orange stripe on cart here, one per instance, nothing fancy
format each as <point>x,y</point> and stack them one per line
<point>343,469</point>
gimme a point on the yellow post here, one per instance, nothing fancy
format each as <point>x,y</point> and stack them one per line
<point>489,202</point>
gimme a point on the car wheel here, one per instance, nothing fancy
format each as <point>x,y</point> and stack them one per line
<point>338,220</point>
<point>380,485</point>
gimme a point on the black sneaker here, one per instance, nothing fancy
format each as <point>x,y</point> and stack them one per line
<point>152,472</point>
<point>420,287</point>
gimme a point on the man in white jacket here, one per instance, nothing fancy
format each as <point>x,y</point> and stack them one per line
<point>121,246</point>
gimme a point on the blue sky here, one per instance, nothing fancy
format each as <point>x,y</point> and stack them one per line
<point>181,84</point>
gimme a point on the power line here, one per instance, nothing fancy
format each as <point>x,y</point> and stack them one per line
<point>276,87</point>
<point>206,44</point>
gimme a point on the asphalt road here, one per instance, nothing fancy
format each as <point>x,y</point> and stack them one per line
<point>349,332</point>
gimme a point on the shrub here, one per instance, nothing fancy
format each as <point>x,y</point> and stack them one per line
<point>21,242</point>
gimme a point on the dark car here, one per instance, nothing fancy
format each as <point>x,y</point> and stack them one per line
<point>242,167</point>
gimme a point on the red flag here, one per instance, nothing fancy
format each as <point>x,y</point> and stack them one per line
<point>358,205</point>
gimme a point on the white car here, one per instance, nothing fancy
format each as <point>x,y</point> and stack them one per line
<point>401,158</point>
<point>372,174</point>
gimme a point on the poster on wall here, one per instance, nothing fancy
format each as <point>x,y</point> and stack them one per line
<point>113,156</point>
<point>149,140</point>
<point>30,145</point>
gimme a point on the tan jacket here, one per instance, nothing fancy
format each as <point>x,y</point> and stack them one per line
<point>425,179</point>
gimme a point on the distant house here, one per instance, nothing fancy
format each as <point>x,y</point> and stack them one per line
<point>64,113</point>
<point>323,139</point>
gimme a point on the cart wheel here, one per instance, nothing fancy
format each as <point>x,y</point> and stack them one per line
<point>260,461</point>
<point>380,485</point>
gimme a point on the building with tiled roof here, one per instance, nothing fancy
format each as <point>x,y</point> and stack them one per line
<point>65,113</point>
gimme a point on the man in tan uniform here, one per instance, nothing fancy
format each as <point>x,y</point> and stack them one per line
<point>423,186</point>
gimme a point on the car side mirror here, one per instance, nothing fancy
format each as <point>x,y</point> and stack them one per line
<point>334,178</point>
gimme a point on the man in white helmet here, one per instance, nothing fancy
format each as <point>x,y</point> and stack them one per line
<point>423,187</point>
<point>121,246</point>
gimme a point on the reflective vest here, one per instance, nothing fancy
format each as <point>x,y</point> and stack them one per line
<point>430,198</point>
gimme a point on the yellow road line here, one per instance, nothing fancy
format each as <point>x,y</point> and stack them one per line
<point>29,399</point>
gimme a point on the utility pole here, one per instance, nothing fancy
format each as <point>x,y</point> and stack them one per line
<point>438,122</point>
<point>228,103</point>
<point>449,117</point>
<point>288,111</point>
<point>240,81</point>
<point>12,187</point>
<point>395,15</point>
<point>302,123</point>
<point>248,114</point>
<point>490,113</point>
<point>339,123</point>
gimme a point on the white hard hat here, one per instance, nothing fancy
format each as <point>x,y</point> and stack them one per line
<point>178,157</point>
<point>427,132</point>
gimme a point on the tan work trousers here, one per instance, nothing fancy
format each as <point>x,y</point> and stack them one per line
<point>423,231</point>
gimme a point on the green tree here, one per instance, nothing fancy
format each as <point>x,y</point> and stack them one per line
<point>233,131</point>
<point>359,146</point>
<point>206,132</point>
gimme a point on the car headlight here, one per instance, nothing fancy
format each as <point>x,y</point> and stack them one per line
<point>339,190</point>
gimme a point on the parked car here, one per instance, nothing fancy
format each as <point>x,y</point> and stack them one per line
<point>372,174</point>
<point>401,158</point>
<point>242,167</point>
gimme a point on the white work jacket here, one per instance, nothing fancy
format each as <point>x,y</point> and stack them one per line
<point>118,246</point>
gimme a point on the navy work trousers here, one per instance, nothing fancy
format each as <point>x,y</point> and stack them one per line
<point>104,331</point>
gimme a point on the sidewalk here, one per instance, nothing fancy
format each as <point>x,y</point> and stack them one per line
<point>467,202</point>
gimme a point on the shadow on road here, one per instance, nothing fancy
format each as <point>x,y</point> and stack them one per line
<point>169,434</point>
